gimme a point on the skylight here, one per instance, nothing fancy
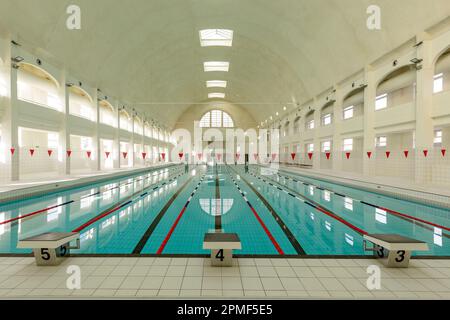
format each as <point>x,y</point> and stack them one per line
<point>216,84</point>
<point>216,95</point>
<point>216,37</point>
<point>216,66</point>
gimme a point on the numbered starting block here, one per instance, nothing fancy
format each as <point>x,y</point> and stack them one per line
<point>393,249</point>
<point>50,248</point>
<point>221,246</point>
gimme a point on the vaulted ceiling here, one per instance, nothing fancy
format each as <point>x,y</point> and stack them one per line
<point>148,52</point>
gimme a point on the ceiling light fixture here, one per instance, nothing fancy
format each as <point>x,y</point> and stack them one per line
<point>216,95</point>
<point>216,84</point>
<point>216,66</point>
<point>216,37</point>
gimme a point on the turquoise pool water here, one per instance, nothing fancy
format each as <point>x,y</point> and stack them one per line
<point>168,211</point>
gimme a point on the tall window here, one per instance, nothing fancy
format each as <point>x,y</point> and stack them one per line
<point>326,119</point>
<point>438,83</point>
<point>438,137</point>
<point>216,119</point>
<point>348,144</point>
<point>310,124</point>
<point>381,141</point>
<point>348,112</point>
<point>381,102</point>
<point>326,146</point>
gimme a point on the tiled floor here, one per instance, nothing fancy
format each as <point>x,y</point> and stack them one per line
<point>250,278</point>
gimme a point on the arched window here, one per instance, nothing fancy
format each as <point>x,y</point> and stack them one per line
<point>216,119</point>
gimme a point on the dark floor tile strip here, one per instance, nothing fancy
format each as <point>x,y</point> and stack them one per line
<point>218,217</point>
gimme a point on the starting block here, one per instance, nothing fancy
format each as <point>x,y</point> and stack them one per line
<point>221,246</point>
<point>50,248</point>
<point>393,249</point>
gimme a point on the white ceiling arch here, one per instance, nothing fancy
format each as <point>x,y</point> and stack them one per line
<point>148,52</point>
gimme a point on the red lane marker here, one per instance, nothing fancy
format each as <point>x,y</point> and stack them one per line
<point>414,218</point>
<point>34,213</point>
<point>274,242</point>
<point>172,229</point>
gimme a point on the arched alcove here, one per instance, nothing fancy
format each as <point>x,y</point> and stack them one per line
<point>35,85</point>
<point>107,113</point>
<point>125,121</point>
<point>396,88</point>
<point>326,114</point>
<point>309,120</point>
<point>80,103</point>
<point>353,104</point>
<point>442,73</point>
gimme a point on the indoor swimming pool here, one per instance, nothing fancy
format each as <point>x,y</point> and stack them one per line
<point>168,211</point>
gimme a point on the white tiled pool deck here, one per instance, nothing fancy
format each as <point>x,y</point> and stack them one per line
<point>150,278</point>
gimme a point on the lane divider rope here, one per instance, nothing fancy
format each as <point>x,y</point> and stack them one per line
<point>316,206</point>
<point>393,212</point>
<point>69,202</point>
<point>108,212</point>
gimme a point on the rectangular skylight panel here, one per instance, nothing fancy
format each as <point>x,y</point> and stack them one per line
<point>216,95</point>
<point>216,37</point>
<point>216,84</point>
<point>216,66</point>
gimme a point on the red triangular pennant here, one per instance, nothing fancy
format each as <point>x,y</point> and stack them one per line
<point>274,156</point>
<point>49,152</point>
<point>124,154</point>
<point>406,152</point>
<point>12,151</point>
<point>443,151</point>
<point>219,156</point>
<point>107,153</point>
<point>328,154</point>
<point>144,155</point>
<point>31,152</point>
<point>199,156</point>
<point>238,156</point>
<point>293,154</point>
<point>180,155</point>
<point>347,155</point>
<point>163,156</point>
<point>388,153</point>
<point>369,154</point>
<point>255,155</point>
<point>310,154</point>
<point>69,153</point>
<point>89,153</point>
<point>425,153</point>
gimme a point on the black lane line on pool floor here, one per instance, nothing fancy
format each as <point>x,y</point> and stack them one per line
<point>141,244</point>
<point>410,219</point>
<point>218,213</point>
<point>124,202</point>
<point>294,242</point>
